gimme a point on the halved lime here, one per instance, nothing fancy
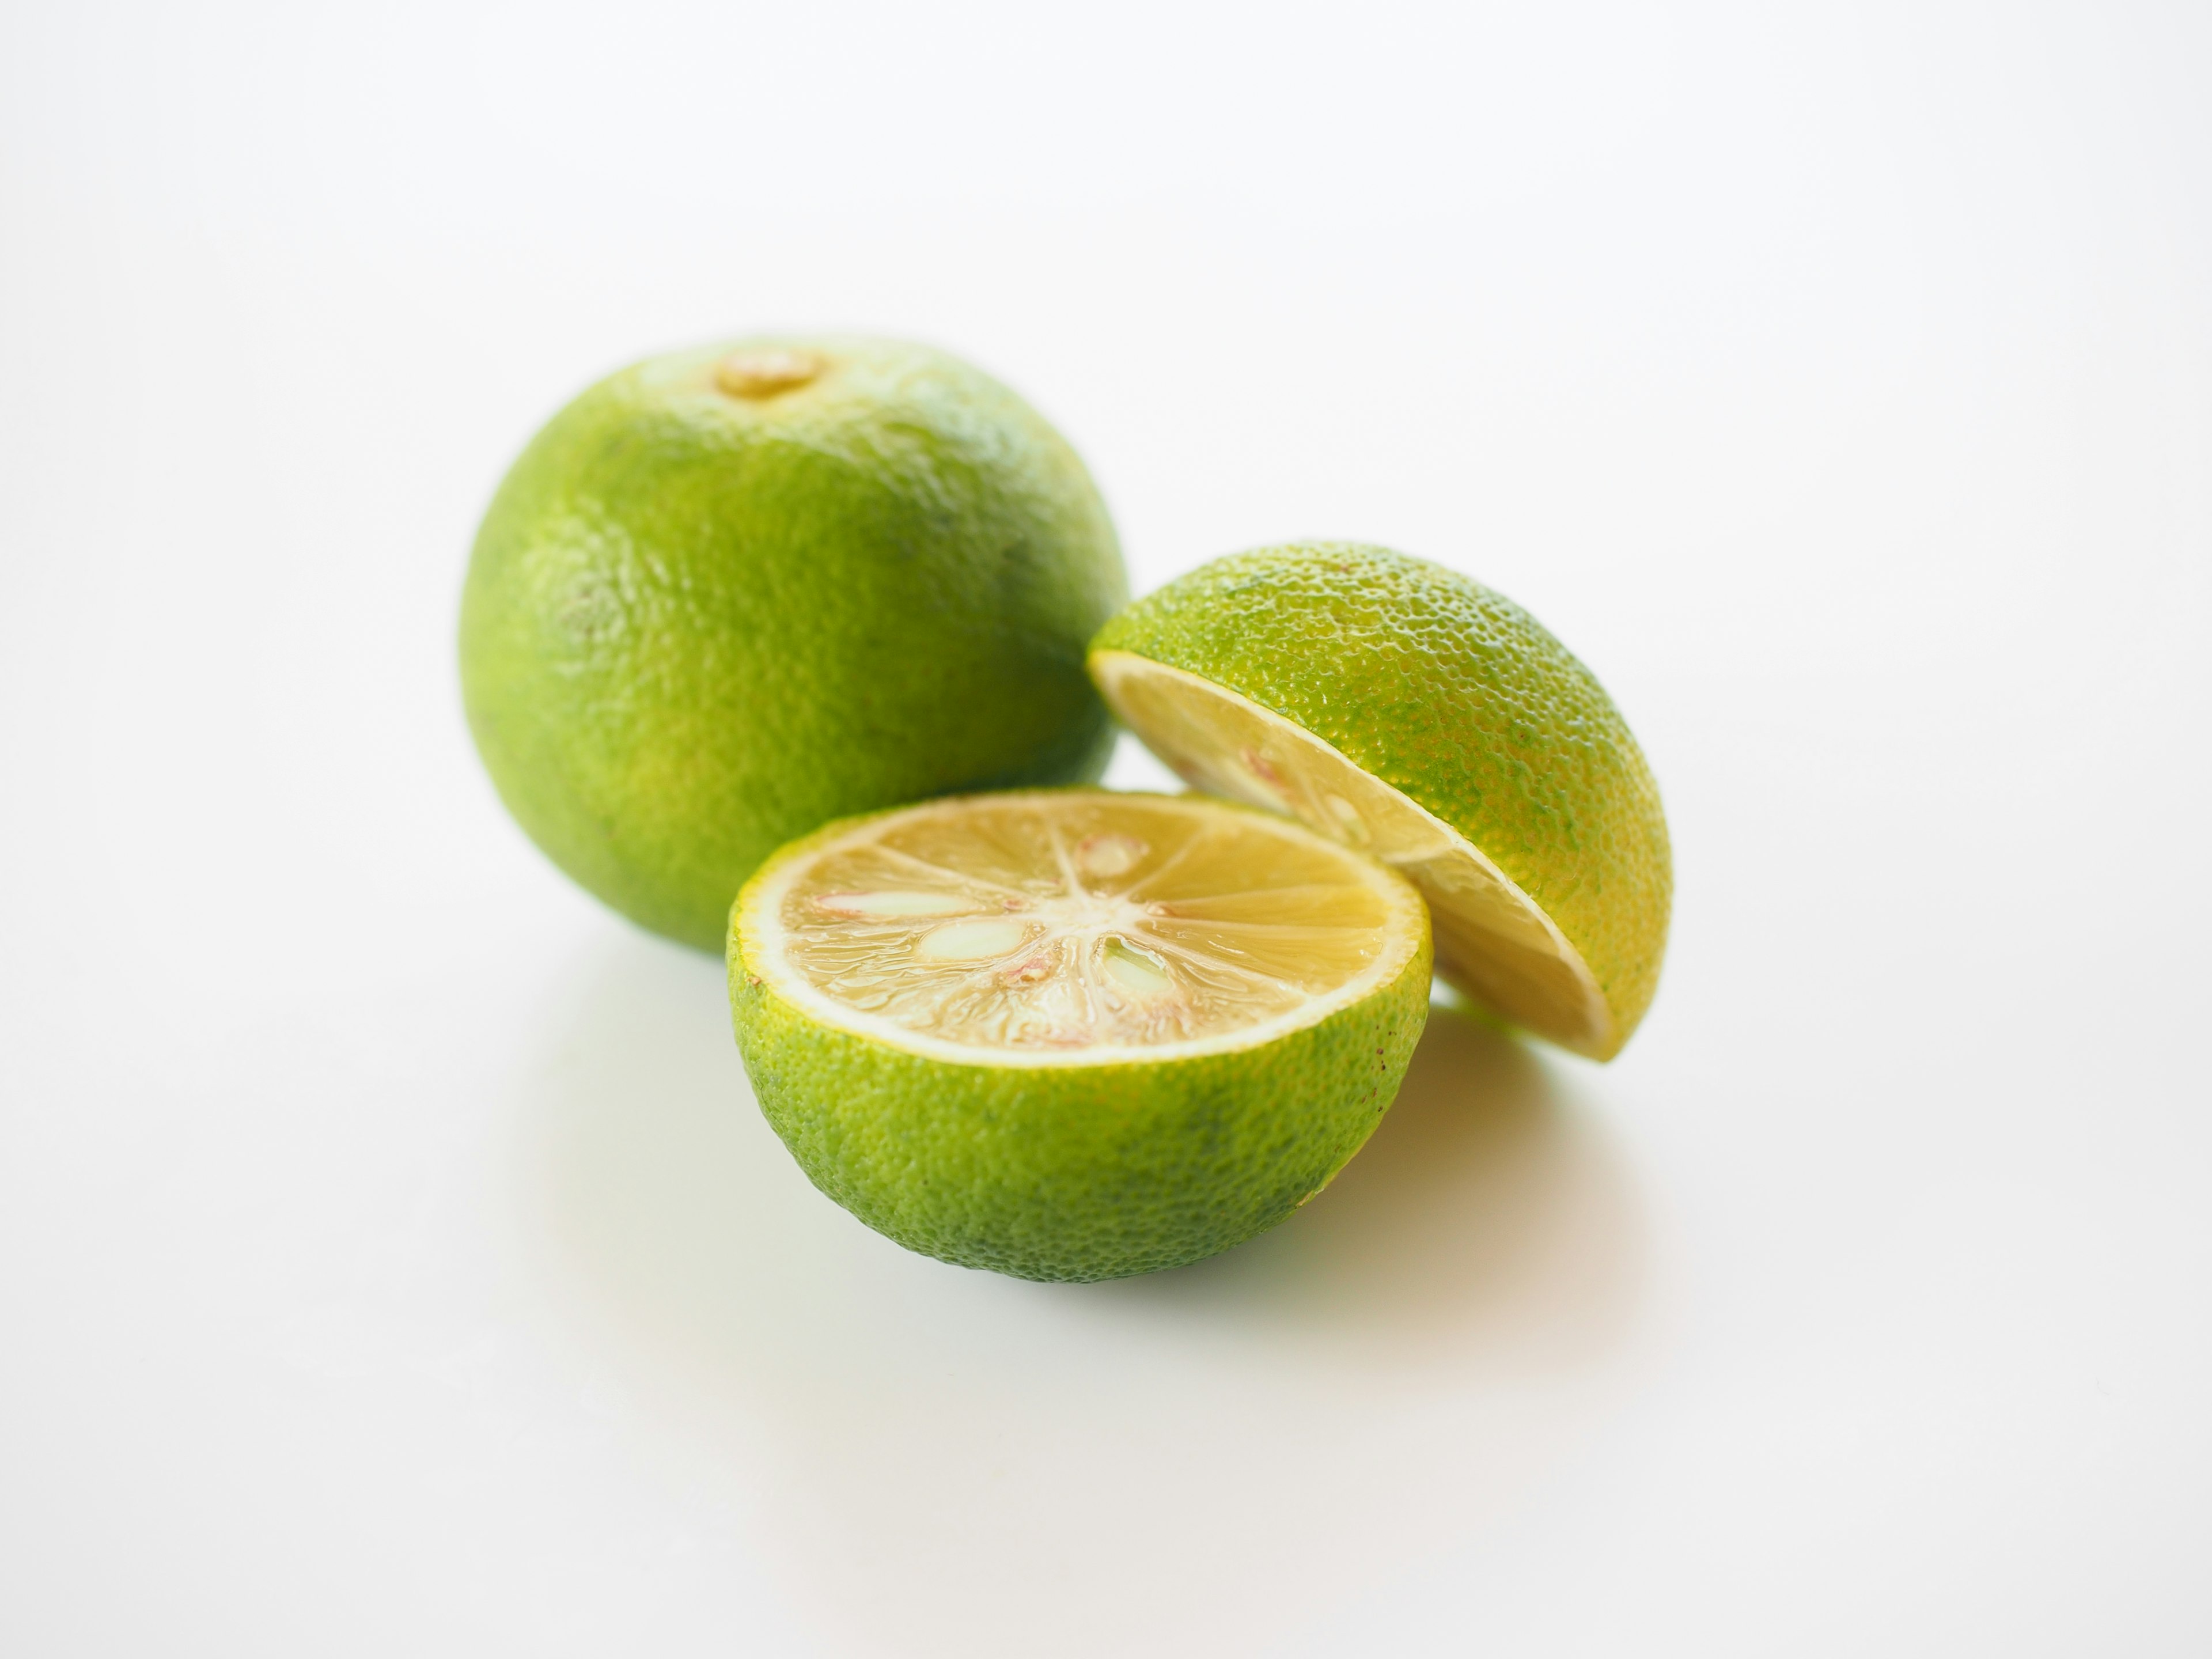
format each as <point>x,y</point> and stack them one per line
<point>1408,711</point>
<point>1074,1034</point>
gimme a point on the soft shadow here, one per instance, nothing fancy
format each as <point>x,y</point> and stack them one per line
<point>651,1169</point>
<point>1208,1450</point>
<point>1491,1209</point>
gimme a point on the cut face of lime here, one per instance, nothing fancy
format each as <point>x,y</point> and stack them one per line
<point>1075,927</point>
<point>1492,938</point>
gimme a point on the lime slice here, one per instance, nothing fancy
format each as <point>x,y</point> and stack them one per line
<point>1408,711</point>
<point>1072,1034</point>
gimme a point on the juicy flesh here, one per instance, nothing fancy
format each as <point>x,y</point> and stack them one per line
<point>1491,940</point>
<point>1059,923</point>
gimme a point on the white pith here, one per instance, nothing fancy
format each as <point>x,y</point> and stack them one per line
<point>1095,953</point>
<point>1492,940</point>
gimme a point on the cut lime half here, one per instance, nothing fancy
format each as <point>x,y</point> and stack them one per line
<point>1073,1034</point>
<point>1405,709</point>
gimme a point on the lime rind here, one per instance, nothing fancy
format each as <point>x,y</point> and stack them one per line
<point>1084,1172</point>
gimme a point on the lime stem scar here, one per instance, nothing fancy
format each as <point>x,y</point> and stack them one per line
<point>758,373</point>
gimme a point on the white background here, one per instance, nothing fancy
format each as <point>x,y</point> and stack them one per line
<point>391,1260</point>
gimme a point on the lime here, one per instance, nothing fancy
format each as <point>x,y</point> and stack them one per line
<point>1074,1034</point>
<point>726,595</point>
<point>1411,712</point>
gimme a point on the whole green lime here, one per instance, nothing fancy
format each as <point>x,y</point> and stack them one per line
<point>729,594</point>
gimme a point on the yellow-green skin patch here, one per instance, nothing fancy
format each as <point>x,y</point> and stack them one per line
<point>698,623</point>
<point>1457,697</point>
<point>1073,1171</point>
